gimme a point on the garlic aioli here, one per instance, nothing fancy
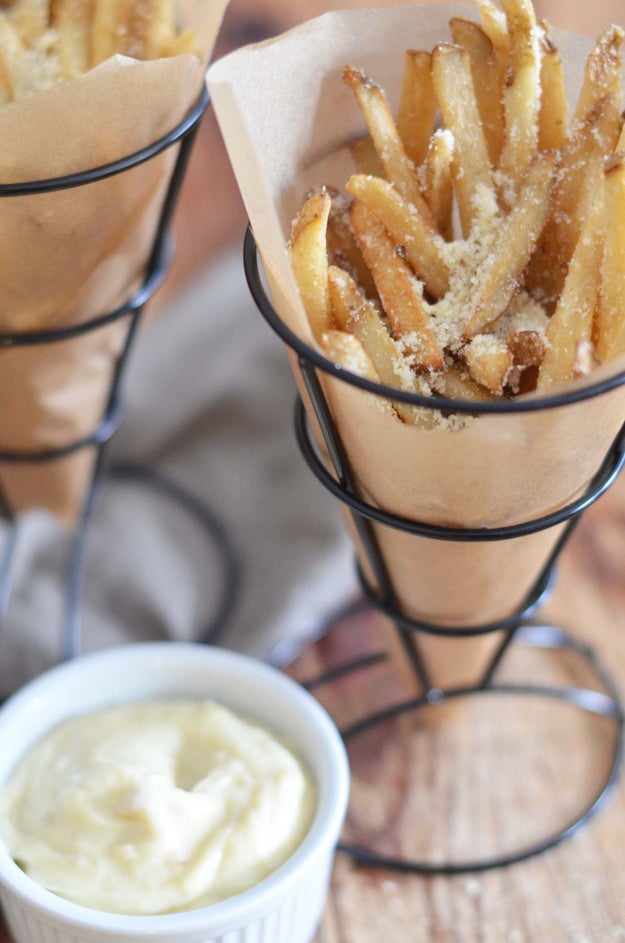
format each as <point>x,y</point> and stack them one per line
<point>155,807</point>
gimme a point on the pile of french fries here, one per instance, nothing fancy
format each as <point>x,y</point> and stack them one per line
<point>43,42</point>
<point>479,250</point>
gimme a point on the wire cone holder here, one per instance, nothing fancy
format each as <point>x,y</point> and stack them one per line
<point>516,628</point>
<point>183,135</point>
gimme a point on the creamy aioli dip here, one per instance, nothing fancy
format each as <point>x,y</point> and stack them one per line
<point>156,806</point>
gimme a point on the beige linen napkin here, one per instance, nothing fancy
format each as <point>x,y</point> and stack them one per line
<point>210,405</point>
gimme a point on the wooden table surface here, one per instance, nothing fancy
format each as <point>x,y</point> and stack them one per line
<point>495,774</point>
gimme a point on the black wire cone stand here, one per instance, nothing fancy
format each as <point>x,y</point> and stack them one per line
<point>517,628</point>
<point>131,310</point>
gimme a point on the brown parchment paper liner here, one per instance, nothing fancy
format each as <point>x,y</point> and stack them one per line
<point>286,115</point>
<point>68,256</point>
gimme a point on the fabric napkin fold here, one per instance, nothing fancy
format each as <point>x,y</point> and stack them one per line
<point>209,406</point>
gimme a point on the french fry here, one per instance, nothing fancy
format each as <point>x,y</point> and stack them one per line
<point>309,260</point>
<point>150,26</point>
<point>30,19</point>
<point>421,242</point>
<point>610,327</point>
<point>496,28</point>
<point>73,20</point>
<point>488,91</point>
<point>366,157</point>
<point>572,322</point>
<point>439,187</point>
<point>581,166</point>
<point>396,287</point>
<point>453,85</point>
<point>181,43</point>
<point>110,29</point>
<point>455,383</point>
<point>347,352</point>
<point>552,117</point>
<point>500,275</point>
<point>522,92</point>
<point>489,362</point>
<point>359,316</point>
<point>417,106</point>
<point>397,166</point>
<point>540,244</point>
<point>344,251</point>
<point>602,76</point>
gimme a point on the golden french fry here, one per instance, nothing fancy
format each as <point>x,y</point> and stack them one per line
<point>309,260</point>
<point>496,28</point>
<point>499,277</point>
<point>529,196</point>
<point>347,352</point>
<point>602,75</point>
<point>356,314</point>
<point>488,89</point>
<point>572,322</point>
<point>610,329</point>
<point>347,300</point>
<point>366,157</point>
<point>581,166</point>
<point>30,19</point>
<point>417,106</point>
<point>489,362</point>
<point>181,43</point>
<point>453,85</point>
<point>420,243</point>
<point>439,187</point>
<point>522,92</point>
<point>401,299</point>
<point>552,117</point>
<point>344,251</point>
<point>150,26</point>
<point>73,20</point>
<point>455,383</point>
<point>397,166</point>
<point>110,29</point>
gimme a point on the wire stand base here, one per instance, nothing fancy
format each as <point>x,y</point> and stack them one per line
<point>602,703</point>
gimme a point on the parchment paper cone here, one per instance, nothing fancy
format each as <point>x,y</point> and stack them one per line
<point>285,116</point>
<point>68,256</point>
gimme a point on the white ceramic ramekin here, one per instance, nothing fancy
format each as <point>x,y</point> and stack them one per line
<point>286,906</point>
